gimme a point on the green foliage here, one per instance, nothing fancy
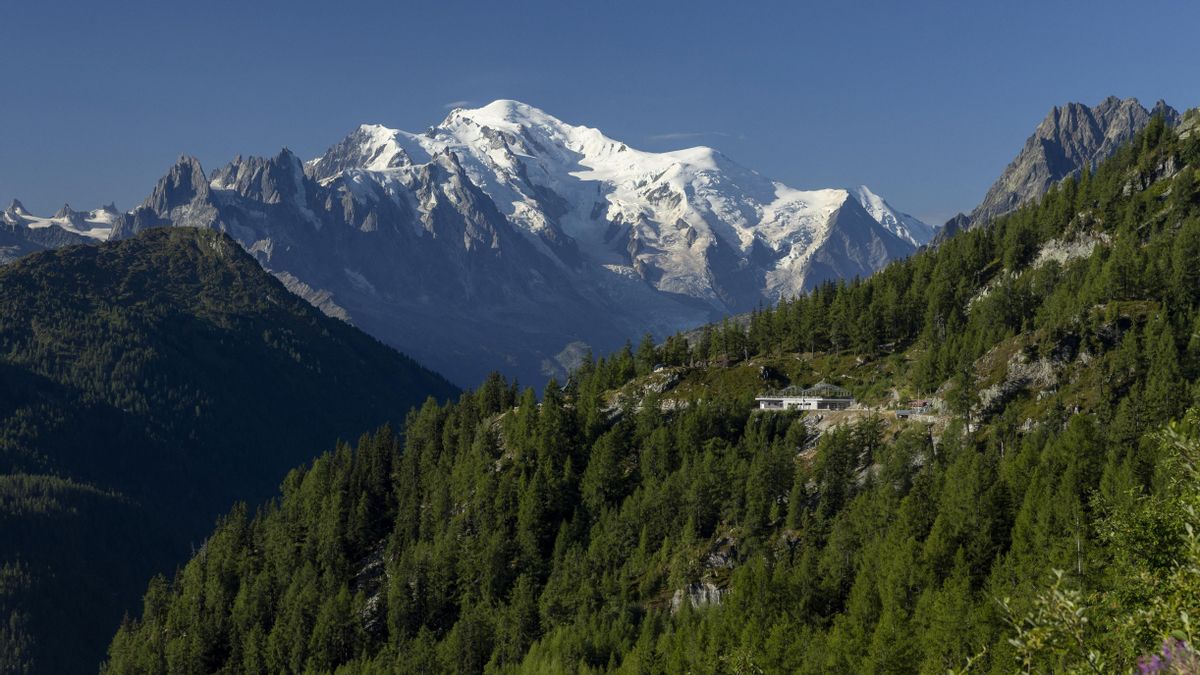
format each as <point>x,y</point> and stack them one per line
<point>145,385</point>
<point>1056,635</point>
<point>1153,586</point>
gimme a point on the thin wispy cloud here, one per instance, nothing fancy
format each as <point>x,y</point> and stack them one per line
<point>456,104</point>
<point>691,135</point>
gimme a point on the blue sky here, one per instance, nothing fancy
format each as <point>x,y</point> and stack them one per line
<point>924,102</point>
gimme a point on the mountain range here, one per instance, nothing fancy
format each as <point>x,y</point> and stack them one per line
<point>505,238</point>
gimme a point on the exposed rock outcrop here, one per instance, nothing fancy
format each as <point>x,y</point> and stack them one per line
<point>1071,137</point>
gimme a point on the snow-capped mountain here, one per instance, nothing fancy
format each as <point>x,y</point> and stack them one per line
<point>22,232</point>
<point>656,216</point>
<point>907,227</point>
<point>504,238</point>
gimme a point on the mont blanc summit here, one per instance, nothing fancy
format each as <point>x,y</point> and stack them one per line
<point>666,218</point>
<point>505,236</point>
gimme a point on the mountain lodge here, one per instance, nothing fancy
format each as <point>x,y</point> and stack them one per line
<point>821,396</point>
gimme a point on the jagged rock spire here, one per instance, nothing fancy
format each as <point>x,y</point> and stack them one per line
<point>185,182</point>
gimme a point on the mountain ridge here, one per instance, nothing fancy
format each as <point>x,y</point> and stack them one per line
<point>547,238</point>
<point>1071,137</point>
<point>148,383</point>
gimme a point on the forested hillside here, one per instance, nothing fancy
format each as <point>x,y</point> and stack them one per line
<point>645,519</point>
<point>144,386</point>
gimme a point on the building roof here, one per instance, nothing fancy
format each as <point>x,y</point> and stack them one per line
<point>819,390</point>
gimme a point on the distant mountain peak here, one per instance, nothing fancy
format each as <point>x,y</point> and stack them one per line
<point>502,111</point>
<point>1071,136</point>
<point>908,228</point>
<point>183,182</point>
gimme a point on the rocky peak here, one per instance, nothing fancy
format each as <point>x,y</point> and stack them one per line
<point>958,223</point>
<point>275,180</point>
<point>1170,114</point>
<point>1111,105</point>
<point>1070,137</point>
<point>8,217</point>
<point>183,184</point>
<point>70,215</point>
<point>456,205</point>
<point>16,208</point>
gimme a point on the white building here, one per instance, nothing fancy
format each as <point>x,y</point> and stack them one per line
<point>822,396</point>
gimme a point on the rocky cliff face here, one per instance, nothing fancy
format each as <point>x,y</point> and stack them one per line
<point>1071,137</point>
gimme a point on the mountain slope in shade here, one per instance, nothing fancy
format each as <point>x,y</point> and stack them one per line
<point>505,237</point>
<point>146,385</point>
<point>1071,137</point>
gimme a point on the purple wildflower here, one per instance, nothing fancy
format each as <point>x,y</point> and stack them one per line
<point>1176,657</point>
